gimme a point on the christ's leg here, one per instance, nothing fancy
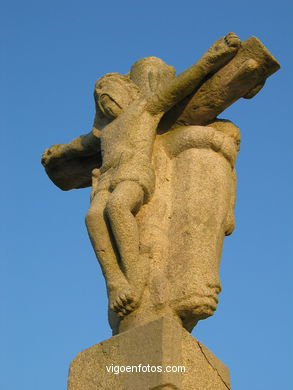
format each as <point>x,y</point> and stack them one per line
<point>119,290</point>
<point>124,201</point>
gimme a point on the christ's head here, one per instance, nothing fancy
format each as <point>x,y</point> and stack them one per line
<point>114,92</point>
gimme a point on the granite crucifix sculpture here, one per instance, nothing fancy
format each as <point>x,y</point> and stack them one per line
<point>162,170</point>
<point>163,179</point>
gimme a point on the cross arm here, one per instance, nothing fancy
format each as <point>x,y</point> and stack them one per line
<point>70,165</point>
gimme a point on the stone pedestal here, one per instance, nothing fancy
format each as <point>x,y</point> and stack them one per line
<point>146,354</point>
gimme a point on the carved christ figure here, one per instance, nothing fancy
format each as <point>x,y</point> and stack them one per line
<point>126,179</point>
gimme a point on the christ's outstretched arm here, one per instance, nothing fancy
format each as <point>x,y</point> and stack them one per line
<point>84,145</point>
<point>186,82</point>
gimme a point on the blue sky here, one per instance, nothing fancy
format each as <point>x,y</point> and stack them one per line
<point>53,300</point>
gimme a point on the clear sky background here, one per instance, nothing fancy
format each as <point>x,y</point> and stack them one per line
<point>53,299</point>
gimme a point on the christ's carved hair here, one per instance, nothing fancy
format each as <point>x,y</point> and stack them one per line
<point>114,92</point>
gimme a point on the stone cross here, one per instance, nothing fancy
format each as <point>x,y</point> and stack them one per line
<point>162,170</point>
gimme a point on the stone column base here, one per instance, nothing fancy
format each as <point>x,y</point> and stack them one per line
<point>161,343</point>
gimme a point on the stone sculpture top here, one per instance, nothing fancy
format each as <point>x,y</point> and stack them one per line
<point>163,179</point>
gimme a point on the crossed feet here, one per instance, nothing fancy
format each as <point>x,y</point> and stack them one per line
<point>122,298</point>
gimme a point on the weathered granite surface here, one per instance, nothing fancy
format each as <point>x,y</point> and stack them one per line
<point>162,170</point>
<point>161,343</point>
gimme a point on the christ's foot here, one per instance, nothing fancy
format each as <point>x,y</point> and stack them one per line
<point>222,51</point>
<point>122,299</point>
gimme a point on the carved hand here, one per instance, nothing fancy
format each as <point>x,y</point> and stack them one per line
<point>221,51</point>
<point>53,154</point>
